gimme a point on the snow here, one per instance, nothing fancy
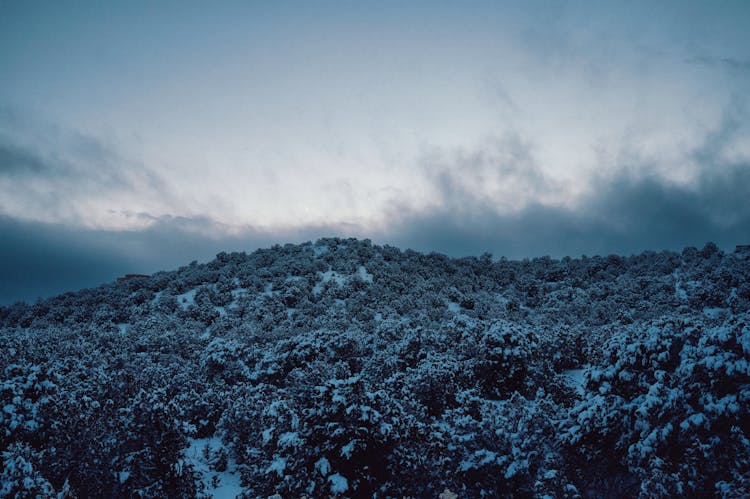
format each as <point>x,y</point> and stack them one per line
<point>323,466</point>
<point>267,434</point>
<point>348,449</point>
<point>237,293</point>
<point>575,379</point>
<point>694,419</point>
<point>320,250</point>
<point>714,312</point>
<point>340,279</point>
<point>328,276</point>
<point>289,439</point>
<point>187,299</point>
<point>478,459</point>
<point>679,291</point>
<point>339,484</point>
<point>278,465</point>
<point>217,484</point>
<point>363,274</point>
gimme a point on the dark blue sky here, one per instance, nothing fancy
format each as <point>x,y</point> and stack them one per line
<point>142,135</point>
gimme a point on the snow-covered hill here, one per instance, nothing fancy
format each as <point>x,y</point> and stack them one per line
<point>341,368</point>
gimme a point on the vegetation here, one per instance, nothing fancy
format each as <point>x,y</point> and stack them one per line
<point>348,369</point>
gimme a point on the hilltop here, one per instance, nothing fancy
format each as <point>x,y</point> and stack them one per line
<point>345,368</point>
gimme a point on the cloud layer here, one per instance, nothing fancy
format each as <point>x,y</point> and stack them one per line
<point>622,215</point>
<point>493,198</point>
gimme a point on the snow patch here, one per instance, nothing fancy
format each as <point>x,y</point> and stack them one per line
<point>339,484</point>
<point>340,279</point>
<point>327,276</point>
<point>575,379</point>
<point>363,274</point>
<point>714,312</point>
<point>289,439</point>
<point>679,291</point>
<point>237,293</point>
<point>278,465</point>
<point>348,449</point>
<point>202,455</point>
<point>187,299</point>
<point>323,466</point>
<point>320,250</point>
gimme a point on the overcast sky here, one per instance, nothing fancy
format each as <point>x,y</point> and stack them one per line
<point>138,136</point>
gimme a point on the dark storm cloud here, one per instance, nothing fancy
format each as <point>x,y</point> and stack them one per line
<point>625,216</point>
<point>624,213</point>
<point>500,172</point>
<point>46,171</point>
<point>15,160</point>
<point>82,157</point>
<point>41,260</point>
<point>727,62</point>
<point>173,241</point>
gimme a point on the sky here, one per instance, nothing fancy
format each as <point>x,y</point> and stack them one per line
<point>140,136</point>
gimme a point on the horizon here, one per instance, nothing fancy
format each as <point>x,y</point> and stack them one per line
<point>129,274</point>
<point>139,137</point>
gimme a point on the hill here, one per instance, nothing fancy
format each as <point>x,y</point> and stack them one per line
<point>342,368</point>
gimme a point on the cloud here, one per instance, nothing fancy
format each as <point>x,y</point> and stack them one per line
<point>726,62</point>
<point>502,173</point>
<point>623,215</point>
<point>78,163</point>
<point>18,161</point>
<point>628,211</point>
<point>41,259</point>
<point>52,174</point>
<point>495,197</point>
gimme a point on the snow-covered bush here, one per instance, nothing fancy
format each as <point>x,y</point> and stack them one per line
<point>19,477</point>
<point>503,353</point>
<point>671,407</point>
<point>26,397</point>
<point>333,437</point>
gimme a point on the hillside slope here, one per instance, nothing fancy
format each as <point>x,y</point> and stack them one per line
<point>345,368</point>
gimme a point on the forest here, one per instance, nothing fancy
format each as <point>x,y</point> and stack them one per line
<point>341,368</point>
